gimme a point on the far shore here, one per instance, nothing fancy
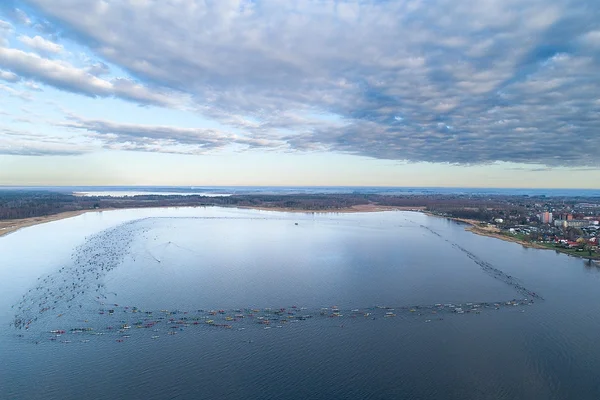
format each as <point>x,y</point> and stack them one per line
<point>346,210</point>
<point>12,225</point>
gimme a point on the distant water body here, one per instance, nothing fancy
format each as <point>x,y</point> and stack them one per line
<point>228,190</point>
<point>193,303</point>
<point>131,193</point>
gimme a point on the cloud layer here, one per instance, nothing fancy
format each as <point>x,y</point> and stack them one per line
<point>439,81</point>
<point>21,143</point>
<point>41,45</point>
<point>168,139</point>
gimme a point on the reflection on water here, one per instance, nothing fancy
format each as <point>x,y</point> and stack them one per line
<point>592,266</point>
<point>267,305</point>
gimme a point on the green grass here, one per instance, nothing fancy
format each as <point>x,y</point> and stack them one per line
<point>573,252</point>
<point>552,246</point>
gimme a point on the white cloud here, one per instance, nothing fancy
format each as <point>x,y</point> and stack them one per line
<point>26,96</point>
<point>5,27</point>
<point>67,77</point>
<point>9,76</point>
<point>14,142</point>
<point>21,17</point>
<point>592,38</point>
<point>32,86</point>
<point>166,139</point>
<point>265,67</point>
<point>6,30</point>
<point>41,45</point>
<point>56,73</point>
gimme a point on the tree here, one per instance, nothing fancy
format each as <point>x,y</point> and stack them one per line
<point>572,233</point>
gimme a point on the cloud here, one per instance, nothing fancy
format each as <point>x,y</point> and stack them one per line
<point>20,143</point>
<point>23,95</point>
<point>5,27</point>
<point>592,38</point>
<point>65,76</point>
<point>32,86</point>
<point>9,76</point>
<point>98,69</point>
<point>6,30</point>
<point>167,139</point>
<point>21,17</point>
<point>41,45</point>
<point>439,81</point>
<point>10,10</point>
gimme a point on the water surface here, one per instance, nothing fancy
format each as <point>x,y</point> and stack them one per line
<point>228,259</point>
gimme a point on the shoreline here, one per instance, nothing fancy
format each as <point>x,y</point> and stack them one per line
<point>495,233</point>
<point>9,226</point>
<point>12,225</point>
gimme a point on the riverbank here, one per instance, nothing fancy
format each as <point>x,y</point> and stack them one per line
<point>477,228</point>
<point>13,225</point>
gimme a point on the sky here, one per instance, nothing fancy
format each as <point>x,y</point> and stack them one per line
<point>466,93</point>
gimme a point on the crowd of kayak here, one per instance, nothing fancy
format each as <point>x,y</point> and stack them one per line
<point>73,300</point>
<point>81,280</point>
<point>124,322</point>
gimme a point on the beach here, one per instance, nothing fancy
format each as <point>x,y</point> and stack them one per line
<point>13,225</point>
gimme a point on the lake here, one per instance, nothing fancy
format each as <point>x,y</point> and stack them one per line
<point>194,303</point>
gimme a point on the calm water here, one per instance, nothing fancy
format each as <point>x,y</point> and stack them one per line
<point>68,275</point>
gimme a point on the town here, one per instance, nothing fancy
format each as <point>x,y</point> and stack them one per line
<point>567,225</point>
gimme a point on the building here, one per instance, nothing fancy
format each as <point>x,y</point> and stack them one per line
<point>572,223</point>
<point>545,217</point>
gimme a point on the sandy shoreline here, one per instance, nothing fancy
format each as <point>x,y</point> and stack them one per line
<point>12,225</point>
<point>477,229</point>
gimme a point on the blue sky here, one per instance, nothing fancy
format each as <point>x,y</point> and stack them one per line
<point>272,92</point>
